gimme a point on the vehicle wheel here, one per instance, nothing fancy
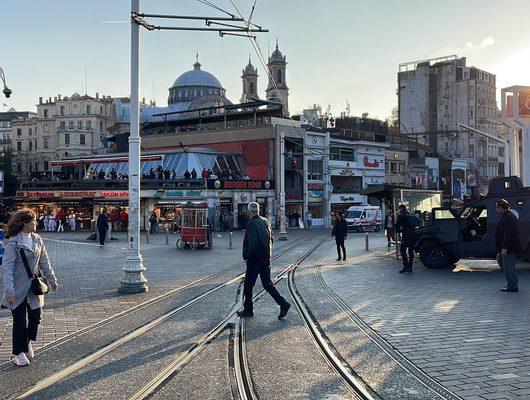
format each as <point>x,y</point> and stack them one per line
<point>180,245</point>
<point>194,245</point>
<point>434,255</point>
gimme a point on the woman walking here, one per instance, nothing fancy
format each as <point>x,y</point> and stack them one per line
<point>24,246</point>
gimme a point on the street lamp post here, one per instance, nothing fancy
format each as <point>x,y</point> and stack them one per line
<point>7,92</point>
<point>133,280</point>
<point>283,233</point>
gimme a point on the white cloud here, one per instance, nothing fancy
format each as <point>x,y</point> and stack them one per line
<point>487,42</point>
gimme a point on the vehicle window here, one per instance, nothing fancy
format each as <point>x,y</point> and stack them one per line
<point>363,215</point>
<point>354,214</point>
<point>443,214</point>
<point>484,213</point>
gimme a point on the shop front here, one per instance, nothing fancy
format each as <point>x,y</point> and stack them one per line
<point>316,203</point>
<point>340,202</point>
<point>167,205</point>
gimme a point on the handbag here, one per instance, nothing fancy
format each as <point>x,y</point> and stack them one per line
<point>39,284</point>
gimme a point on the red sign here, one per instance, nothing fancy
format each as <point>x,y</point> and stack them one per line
<point>74,194</point>
<point>524,104</point>
<point>114,194</point>
<point>316,186</point>
<point>373,164</point>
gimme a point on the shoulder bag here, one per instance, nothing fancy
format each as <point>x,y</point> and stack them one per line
<point>39,284</point>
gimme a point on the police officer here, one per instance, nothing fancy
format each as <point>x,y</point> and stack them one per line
<point>340,231</point>
<point>406,226</point>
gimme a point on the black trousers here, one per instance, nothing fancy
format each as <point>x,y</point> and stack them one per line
<point>102,235</point>
<point>340,245</point>
<point>407,253</point>
<point>263,269</point>
<point>25,326</point>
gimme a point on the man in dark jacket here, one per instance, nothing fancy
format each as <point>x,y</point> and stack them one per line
<point>103,226</point>
<point>257,252</point>
<point>340,231</point>
<point>507,245</point>
<point>406,227</point>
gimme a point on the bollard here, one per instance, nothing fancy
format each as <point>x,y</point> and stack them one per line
<point>148,233</point>
<point>230,240</point>
<point>366,244</point>
<point>167,236</point>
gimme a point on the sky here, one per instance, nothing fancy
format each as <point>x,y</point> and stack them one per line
<point>337,51</point>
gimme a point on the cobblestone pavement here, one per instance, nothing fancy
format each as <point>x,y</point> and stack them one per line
<point>456,325</point>
<point>89,277</point>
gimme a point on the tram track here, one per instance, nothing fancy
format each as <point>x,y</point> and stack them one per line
<point>150,302</point>
<point>91,358</point>
<point>242,382</point>
<point>440,391</point>
<point>326,348</point>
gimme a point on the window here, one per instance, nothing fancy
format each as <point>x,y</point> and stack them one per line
<point>472,92</point>
<point>61,110</point>
<point>315,169</point>
<point>471,112</point>
<point>101,109</point>
<point>45,128</point>
<point>45,112</point>
<point>19,167</point>
<point>19,131</point>
<point>46,165</point>
<point>19,146</point>
<point>88,125</point>
<point>30,145</point>
<point>252,88</point>
<point>443,214</point>
<point>66,139</point>
<point>71,124</point>
<point>30,131</point>
<point>82,138</point>
<point>100,125</point>
<point>471,151</point>
<point>45,142</point>
<point>480,75</point>
<point>62,125</point>
<point>35,144</point>
<point>88,109</point>
<point>79,124</point>
<point>279,75</point>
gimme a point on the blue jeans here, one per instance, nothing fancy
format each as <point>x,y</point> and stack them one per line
<point>507,264</point>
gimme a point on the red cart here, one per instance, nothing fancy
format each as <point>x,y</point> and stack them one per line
<point>195,230</point>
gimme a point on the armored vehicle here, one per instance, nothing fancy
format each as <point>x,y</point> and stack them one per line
<point>469,232</point>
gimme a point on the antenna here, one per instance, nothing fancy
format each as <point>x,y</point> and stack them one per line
<point>86,81</point>
<point>153,90</point>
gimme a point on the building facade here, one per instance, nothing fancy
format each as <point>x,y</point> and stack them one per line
<point>439,99</point>
<point>6,131</point>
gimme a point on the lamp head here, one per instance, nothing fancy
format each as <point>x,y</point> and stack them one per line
<point>7,92</point>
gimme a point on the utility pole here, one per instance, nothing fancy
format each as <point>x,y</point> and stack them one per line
<point>133,280</point>
<point>283,232</point>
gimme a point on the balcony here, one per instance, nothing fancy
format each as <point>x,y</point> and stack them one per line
<point>75,129</point>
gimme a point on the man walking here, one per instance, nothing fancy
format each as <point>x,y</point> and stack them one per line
<point>340,231</point>
<point>507,245</point>
<point>257,251</point>
<point>103,226</point>
<point>406,225</point>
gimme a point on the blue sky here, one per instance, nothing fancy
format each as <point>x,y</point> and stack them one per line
<point>336,50</point>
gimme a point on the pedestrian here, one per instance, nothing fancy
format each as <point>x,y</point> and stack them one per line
<point>406,225</point>
<point>72,221</point>
<point>61,220</point>
<point>389,226</point>
<point>297,219</point>
<point>204,174</point>
<point>25,256</point>
<point>187,174</point>
<point>124,219</point>
<point>309,220</point>
<point>153,221</point>
<point>103,226</point>
<point>52,221</point>
<point>46,222</point>
<point>507,245</point>
<point>257,251</point>
<point>340,231</point>
<point>193,174</point>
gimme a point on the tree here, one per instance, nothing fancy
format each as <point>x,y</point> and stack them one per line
<point>6,165</point>
<point>393,121</point>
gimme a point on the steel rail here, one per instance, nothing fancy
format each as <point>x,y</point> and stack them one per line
<point>330,354</point>
<point>441,391</point>
<point>164,376</point>
<point>60,375</point>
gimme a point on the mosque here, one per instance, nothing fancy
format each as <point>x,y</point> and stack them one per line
<point>199,90</point>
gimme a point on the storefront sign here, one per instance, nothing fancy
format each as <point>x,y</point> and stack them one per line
<point>347,171</point>
<point>75,194</point>
<point>316,196</point>
<point>347,198</point>
<point>293,196</point>
<point>178,194</point>
<point>371,164</point>
<point>244,197</point>
<point>239,184</point>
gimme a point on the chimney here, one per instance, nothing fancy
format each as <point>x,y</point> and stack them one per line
<point>59,97</point>
<point>50,99</point>
<point>97,95</point>
<point>55,99</point>
<point>40,100</point>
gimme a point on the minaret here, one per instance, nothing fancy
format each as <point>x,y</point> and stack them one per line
<point>250,83</point>
<point>277,75</point>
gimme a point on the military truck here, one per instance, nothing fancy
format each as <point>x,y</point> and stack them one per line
<point>452,235</point>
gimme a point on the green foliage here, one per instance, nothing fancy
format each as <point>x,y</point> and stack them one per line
<point>6,165</point>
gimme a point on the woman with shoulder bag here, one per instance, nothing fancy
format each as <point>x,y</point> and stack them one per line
<point>25,261</point>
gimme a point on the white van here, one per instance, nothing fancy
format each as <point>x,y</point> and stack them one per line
<point>364,217</point>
